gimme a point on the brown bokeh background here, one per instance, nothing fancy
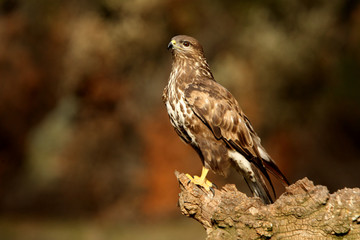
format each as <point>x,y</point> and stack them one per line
<point>85,137</point>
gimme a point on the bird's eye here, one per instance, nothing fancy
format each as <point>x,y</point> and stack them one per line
<point>186,43</point>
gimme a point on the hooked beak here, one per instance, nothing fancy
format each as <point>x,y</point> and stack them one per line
<point>171,44</point>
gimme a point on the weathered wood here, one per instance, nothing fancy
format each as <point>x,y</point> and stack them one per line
<point>304,211</point>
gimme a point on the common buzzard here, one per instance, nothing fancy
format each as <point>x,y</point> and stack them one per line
<point>206,116</point>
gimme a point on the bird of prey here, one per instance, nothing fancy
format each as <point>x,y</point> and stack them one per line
<point>206,116</point>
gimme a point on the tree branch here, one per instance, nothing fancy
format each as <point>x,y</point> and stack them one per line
<point>304,211</point>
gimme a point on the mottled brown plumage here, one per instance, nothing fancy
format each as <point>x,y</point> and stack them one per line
<point>206,116</point>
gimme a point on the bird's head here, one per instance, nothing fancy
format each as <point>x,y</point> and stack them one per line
<point>185,46</point>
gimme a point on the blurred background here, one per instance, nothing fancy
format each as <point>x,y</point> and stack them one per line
<point>86,147</point>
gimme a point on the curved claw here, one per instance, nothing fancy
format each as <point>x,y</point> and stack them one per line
<point>213,191</point>
<point>202,182</point>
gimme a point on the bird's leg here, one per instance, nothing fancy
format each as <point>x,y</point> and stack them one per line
<point>202,181</point>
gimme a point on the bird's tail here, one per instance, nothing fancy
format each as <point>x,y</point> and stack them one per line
<point>252,176</point>
<point>258,187</point>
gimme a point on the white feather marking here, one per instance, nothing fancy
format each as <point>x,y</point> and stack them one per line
<point>263,154</point>
<point>177,107</point>
<point>176,113</point>
<point>243,163</point>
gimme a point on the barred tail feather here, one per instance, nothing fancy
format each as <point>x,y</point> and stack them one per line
<point>252,176</point>
<point>258,187</point>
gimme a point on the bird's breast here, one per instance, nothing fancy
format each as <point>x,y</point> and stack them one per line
<point>179,112</point>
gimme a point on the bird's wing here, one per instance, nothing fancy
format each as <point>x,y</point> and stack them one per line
<point>219,110</point>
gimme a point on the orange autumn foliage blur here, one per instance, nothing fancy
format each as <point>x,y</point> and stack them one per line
<point>83,130</point>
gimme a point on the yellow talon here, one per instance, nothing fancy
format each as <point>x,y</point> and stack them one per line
<point>202,181</point>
